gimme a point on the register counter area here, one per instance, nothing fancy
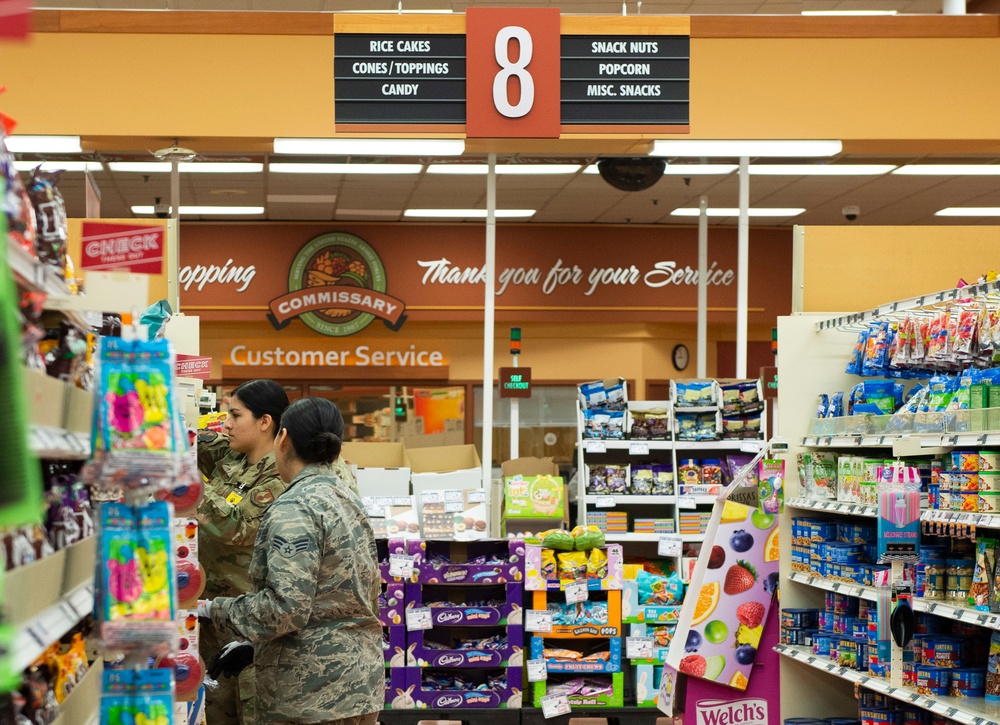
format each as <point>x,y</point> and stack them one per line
<point>512,364</point>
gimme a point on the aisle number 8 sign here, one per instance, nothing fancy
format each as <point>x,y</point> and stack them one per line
<point>512,73</point>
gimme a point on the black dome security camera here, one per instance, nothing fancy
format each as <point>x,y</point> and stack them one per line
<point>631,174</point>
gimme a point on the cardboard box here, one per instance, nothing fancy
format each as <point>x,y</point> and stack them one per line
<point>385,547</point>
<point>663,634</point>
<point>383,469</point>
<point>611,628</point>
<point>395,684</point>
<point>534,497</point>
<point>413,435</point>
<point>507,697</point>
<point>612,664</point>
<point>647,684</point>
<point>392,604</point>
<point>634,613</point>
<point>392,516</point>
<point>394,646</point>
<point>429,570</point>
<point>454,514</point>
<point>445,467</point>
<point>614,699</point>
<point>448,653</point>
<point>523,526</point>
<point>535,580</point>
<point>461,614</point>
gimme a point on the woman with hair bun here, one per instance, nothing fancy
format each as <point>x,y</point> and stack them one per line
<point>310,627</point>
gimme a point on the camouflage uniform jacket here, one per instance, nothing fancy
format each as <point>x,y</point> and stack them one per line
<point>236,496</point>
<point>313,614</point>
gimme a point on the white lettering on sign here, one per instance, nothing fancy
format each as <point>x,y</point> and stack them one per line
<point>400,89</point>
<point>663,273</point>
<point>123,245</point>
<point>304,301</point>
<point>226,274</point>
<point>731,712</point>
<point>361,356</point>
<point>626,69</point>
<point>513,69</point>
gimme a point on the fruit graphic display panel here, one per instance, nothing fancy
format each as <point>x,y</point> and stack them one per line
<point>729,597</point>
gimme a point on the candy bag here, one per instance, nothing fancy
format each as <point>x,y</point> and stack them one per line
<point>572,566</point>
<point>50,215</point>
<point>642,480</point>
<point>549,564</point>
<point>659,590</point>
<point>597,564</point>
<point>587,537</point>
<point>556,539</point>
<point>21,224</point>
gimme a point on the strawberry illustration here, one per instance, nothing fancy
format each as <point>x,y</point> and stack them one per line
<point>740,577</point>
<point>693,665</point>
<point>750,613</point>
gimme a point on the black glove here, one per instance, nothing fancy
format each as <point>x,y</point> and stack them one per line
<point>231,660</point>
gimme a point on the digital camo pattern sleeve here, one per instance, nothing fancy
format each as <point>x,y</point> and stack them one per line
<point>289,546</point>
<point>231,511</point>
<point>212,448</point>
<point>343,471</point>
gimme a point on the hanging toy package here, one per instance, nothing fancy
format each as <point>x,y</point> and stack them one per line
<point>898,514</point>
<point>138,437</point>
<point>136,598</point>
<point>137,697</point>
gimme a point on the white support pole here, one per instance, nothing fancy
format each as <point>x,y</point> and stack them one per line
<point>489,306</point>
<point>515,422</point>
<point>953,7</point>
<point>742,268</point>
<point>174,240</point>
<point>702,352</point>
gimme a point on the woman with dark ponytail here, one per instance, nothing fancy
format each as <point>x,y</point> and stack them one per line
<point>311,626</point>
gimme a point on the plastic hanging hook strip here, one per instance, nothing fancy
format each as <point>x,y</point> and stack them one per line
<point>745,472</point>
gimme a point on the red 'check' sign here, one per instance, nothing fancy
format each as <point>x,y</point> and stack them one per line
<point>128,247</point>
<point>512,73</point>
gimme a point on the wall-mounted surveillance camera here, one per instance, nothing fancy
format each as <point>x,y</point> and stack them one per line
<point>851,212</point>
<point>161,209</point>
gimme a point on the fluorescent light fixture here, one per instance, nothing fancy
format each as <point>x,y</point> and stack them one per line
<point>467,213</point>
<point>283,168</point>
<point>58,165</point>
<point>969,211</point>
<point>370,146</point>
<point>849,12</point>
<point>685,169</point>
<point>187,167</point>
<point>380,213</point>
<point>207,210</point>
<point>731,149</point>
<point>820,169</point>
<point>220,167</point>
<point>302,199</point>
<point>735,212</point>
<point>504,169</point>
<point>949,170</point>
<point>44,144</point>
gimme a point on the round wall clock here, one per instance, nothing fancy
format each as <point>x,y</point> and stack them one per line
<point>680,356</point>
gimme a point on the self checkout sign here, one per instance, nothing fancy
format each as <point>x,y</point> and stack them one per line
<point>512,73</point>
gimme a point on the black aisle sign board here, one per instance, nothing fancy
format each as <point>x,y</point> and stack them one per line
<point>625,79</point>
<point>399,78</point>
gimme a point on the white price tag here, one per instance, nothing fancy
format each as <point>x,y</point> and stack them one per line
<point>555,705</point>
<point>383,500</point>
<point>605,502</point>
<point>401,565</point>
<point>419,619</point>
<point>454,507</point>
<point>596,447</point>
<point>537,620</point>
<point>453,496</point>
<point>670,545</point>
<point>686,502</point>
<point>537,671</point>
<point>638,449</point>
<point>430,497</point>
<point>576,591</point>
<point>478,496</point>
<point>639,648</point>
<point>750,447</point>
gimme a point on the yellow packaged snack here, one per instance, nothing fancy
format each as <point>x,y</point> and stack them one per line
<point>572,566</point>
<point>549,564</point>
<point>597,564</point>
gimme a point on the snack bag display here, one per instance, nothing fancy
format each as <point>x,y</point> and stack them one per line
<point>659,590</point>
<point>549,565</point>
<point>137,697</point>
<point>597,564</point>
<point>556,539</point>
